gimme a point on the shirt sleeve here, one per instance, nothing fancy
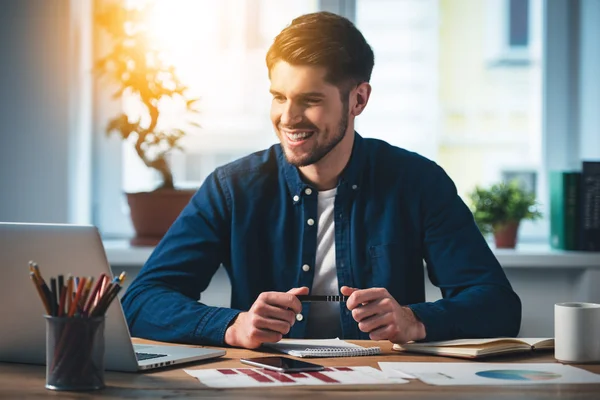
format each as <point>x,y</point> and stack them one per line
<point>478,301</point>
<point>162,301</point>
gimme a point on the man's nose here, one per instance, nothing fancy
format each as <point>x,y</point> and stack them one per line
<point>291,115</point>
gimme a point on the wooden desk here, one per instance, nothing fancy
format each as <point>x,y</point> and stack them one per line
<point>27,381</point>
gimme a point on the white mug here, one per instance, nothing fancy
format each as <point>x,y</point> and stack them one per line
<point>577,332</point>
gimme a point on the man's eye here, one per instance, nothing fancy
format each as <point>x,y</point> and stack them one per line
<point>313,101</point>
<point>279,98</point>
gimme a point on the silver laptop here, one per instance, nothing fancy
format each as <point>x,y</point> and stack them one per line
<point>63,249</point>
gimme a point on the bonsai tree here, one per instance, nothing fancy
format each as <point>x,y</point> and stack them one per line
<point>138,70</point>
<point>500,208</point>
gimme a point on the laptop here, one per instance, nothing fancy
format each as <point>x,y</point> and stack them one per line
<point>63,249</point>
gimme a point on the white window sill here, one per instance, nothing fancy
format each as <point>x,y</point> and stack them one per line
<point>120,253</point>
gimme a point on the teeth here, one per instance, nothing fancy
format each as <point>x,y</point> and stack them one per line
<point>299,135</point>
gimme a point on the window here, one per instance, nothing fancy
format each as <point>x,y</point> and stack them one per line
<point>510,31</point>
<point>434,89</point>
<point>518,23</point>
<point>435,93</point>
<point>218,49</point>
<point>222,60</point>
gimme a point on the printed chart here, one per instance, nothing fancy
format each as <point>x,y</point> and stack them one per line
<point>465,373</point>
<point>518,375</point>
<point>259,377</point>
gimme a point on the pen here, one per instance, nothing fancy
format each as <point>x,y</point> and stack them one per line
<point>311,298</point>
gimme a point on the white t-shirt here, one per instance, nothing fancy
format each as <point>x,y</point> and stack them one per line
<point>324,317</point>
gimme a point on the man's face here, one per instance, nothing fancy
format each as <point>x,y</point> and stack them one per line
<point>308,114</point>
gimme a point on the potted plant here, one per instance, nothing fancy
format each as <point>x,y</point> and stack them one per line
<point>137,70</point>
<point>500,208</point>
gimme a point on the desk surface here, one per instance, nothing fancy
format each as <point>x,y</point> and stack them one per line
<point>27,381</point>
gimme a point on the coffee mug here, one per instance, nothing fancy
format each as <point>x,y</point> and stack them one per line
<point>577,332</point>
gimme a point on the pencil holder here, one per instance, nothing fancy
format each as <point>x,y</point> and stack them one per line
<point>74,353</point>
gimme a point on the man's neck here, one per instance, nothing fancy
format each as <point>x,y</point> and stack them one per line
<point>324,174</point>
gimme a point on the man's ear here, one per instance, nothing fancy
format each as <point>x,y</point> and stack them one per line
<point>361,94</point>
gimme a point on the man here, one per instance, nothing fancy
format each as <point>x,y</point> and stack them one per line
<point>322,212</point>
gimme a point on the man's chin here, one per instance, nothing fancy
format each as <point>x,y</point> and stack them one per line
<point>299,160</point>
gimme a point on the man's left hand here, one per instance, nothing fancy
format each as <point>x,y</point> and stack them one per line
<point>380,315</point>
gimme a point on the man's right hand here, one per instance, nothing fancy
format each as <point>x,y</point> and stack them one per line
<point>270,317</point>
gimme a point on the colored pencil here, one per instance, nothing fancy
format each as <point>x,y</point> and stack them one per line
<point>40,292</point>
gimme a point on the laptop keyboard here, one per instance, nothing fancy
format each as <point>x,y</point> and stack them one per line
<point>148,356</point>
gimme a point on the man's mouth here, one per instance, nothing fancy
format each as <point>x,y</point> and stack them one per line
<point>297,135</point>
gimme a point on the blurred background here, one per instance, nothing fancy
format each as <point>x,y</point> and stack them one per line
<point>490,89</point>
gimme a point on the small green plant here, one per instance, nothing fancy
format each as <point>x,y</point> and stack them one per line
<point>137,68</point>
<point>502,203</point>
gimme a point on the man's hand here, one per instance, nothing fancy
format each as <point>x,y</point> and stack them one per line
<point>270,317</point>
<point>380,315</point>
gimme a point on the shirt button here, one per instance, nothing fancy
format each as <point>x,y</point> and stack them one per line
<point>299,317</point>
<point>296,198</point>
<point>310,221</point>
<point>308,191</point>
<point>306,268</point>
<point>354,187</point>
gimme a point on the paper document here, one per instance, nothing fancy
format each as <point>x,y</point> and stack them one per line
<point>259,377</point>
<point>489,373</point>
<point>322,348</point>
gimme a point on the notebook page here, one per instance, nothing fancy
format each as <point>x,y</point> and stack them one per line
<point>321,348</point>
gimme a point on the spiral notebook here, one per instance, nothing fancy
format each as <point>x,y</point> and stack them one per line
<point>322,348</point>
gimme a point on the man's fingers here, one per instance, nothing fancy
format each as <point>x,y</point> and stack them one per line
<point>347,291</point>
<point>382,333</point>
<point>360,297</point>
<point>271,324</point>
<point>366,311</point>
<point>269,311</point>
<point>298,291</point>
<point>372,323</point>
<point>282,300</point>
<point>260,336</point>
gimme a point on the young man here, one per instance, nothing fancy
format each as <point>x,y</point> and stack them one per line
<point>324,212</point>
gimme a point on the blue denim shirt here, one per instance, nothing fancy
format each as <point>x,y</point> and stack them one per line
<point>393,210</point>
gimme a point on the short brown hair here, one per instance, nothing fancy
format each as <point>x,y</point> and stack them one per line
<point>326,40</point>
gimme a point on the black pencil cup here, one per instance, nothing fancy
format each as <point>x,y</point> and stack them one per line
<point>74,353</point>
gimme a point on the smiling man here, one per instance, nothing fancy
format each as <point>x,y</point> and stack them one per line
<point>324,212</point>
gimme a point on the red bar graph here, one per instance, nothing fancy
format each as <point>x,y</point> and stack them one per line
<point>255,375</point>
<point>227,371</point>
<point>277,376</point>
<point>323,377</point>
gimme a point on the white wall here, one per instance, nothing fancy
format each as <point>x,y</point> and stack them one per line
<point>41,178</point>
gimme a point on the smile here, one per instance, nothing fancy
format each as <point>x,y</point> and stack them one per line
<point>297,136</point>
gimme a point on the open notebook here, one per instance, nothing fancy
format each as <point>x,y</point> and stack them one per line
<point>321,348</point>
<point>477,348</point>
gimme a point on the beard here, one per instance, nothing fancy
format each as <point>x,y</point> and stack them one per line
<point>320,150</point>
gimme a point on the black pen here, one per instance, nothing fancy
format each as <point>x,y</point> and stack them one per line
<point>310,298</point>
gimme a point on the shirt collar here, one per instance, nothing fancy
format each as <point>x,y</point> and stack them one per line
<point>350,177</point>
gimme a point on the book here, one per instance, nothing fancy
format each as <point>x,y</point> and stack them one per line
<point>564,209</point>
<point>589,233</point>
<point>322,348</point>
<point>478,348</point>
